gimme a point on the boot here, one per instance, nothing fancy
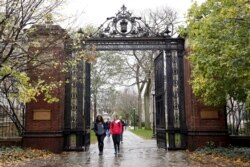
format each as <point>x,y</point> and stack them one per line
<point>101,149</point>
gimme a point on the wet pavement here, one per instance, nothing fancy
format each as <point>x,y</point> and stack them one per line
<point>134,152</point>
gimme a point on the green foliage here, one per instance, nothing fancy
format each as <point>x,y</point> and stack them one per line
<point>143,133</point>
<point>211,144</point>
<point>218,33</point>
<point>93,138</point>
<point>134,119</point>
<point>21,84</point>
<point>18,56</point>
<point>143,124</point>
<point>246,128</point>
<point>18,86</point>
<point>230,152</point>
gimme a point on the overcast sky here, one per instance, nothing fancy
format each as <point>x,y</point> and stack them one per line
<point>95,12</point>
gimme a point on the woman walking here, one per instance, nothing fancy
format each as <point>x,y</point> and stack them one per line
<point>100,131</point>
<point>116,130</point>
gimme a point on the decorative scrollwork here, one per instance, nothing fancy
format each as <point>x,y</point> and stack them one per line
<point>124,25</point>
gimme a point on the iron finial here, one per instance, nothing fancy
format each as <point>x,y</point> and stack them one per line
<point>167,32</point>
<point>123,8</point>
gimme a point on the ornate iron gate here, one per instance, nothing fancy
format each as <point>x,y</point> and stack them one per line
<point>160,101</point>
<point>115,35</point>
<point>87,106</point>
<point>77,105</point>
<point>170,125</point>
<point>176,118</point>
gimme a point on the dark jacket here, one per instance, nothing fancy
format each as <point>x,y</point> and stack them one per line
<point>96,130</point>
<point>123,124</point>
<point>107,124</point>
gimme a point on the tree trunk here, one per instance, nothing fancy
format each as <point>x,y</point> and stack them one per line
<point>147,104</point>
<point>139,88</point>
<point>146,108</point>
<point>139,110</point>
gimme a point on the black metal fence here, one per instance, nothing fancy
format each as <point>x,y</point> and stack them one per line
<point>7,126</point>
<point>238,121</point>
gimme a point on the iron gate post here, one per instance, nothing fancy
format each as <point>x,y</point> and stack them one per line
<point>170,113</point>
<point>79,118</point>
<point>87,98</point>
<point>160,101</point>
<point>153,136</point>
<point>181,92</point>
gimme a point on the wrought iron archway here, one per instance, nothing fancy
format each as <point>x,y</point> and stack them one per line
<point>126,32</point>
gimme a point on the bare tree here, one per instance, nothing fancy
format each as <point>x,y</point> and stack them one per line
<point>126,104</point>
<point>16,59</point>
<point>236,114</point>
<point>107,72</point>
<point>142,70</point>
<point>161,19</point>
<point>107,100</point>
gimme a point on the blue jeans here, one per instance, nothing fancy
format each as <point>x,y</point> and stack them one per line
<point>108,133</point>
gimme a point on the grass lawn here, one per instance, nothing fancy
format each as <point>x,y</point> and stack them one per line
<point>93,139</point>
<point>145,134</point>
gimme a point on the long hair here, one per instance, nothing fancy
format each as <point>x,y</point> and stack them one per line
<point>97,121</point>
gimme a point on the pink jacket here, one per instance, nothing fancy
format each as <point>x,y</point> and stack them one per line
<point>116,127</point>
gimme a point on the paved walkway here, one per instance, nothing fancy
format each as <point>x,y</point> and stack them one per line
<point>135,152</point>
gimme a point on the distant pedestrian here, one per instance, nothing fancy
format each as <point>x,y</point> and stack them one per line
<point>116,130</point>
<point>100,131</point>
<point>107,124</point>
<point>123,125</point>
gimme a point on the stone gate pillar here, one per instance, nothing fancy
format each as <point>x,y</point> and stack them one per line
<point>44,121</point>
<point>204,124</point>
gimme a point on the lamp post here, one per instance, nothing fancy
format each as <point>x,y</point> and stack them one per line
<point>153,94</point>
